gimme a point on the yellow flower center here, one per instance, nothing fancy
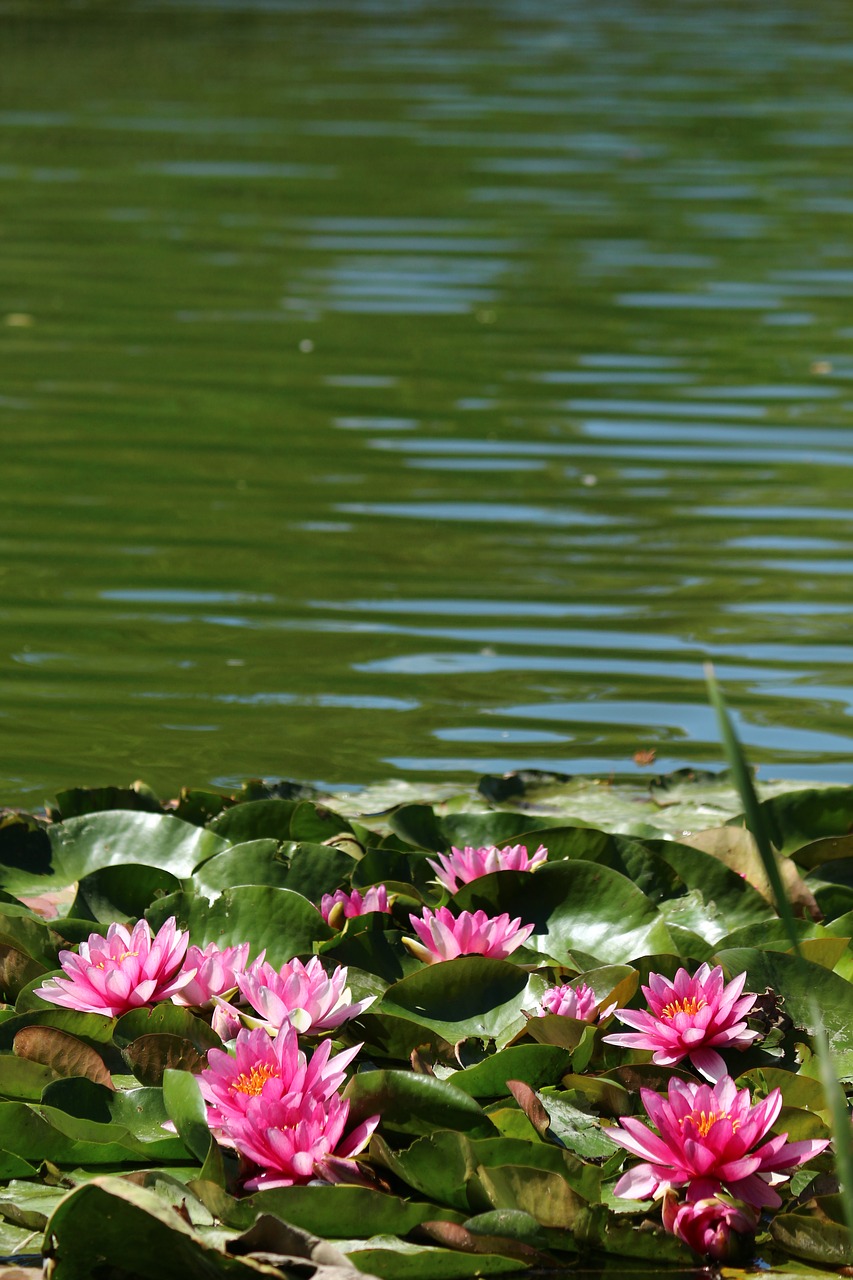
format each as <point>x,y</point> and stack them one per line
<point>120,959</point>
<point>688,1004</point>
<point>705,1121</point>
<point>253,1082</point>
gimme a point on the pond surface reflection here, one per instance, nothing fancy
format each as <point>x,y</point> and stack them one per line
<point>410,388</point>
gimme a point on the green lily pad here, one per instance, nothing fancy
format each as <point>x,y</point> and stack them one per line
<point>278,920</point>
<point>469,996</point>
<point>255,820</point>
<point>575,906</point>
<point>802,985</point>
<point>535,1064</point>
<point>121,893</point>
<point>112,838</point>
<point>414,1104</point>
<point>391,1258</point>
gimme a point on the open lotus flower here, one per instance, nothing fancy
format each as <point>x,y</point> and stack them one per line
<point>282,1111</point>
<point>570,1002</point>
<point>706,1141</point>
<point>690,1018</point>
<point>302,995</point>
<point>461,866</point>
<point>215,973</point>
<point>337,907</point>
<point>444,936</point>
<point>268,1067</point>
<point>714,1228</point>
<point>125,970</point>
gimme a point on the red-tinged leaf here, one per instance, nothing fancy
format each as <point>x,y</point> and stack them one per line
<point>63,1053</point>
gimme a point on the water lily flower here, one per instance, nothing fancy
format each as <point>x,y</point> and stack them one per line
<point>444,936</point>
<point>215,973</point>
<point>462,866</point>
<point>303,995</point>
<point>226,1020</point>
<point>714,1228</point>
<point>690,1018</point>
<point>122,971</point>
<point>706,1141</point>
<point>268,1067</point>
<point>282,1111</point>
<point>569,1002</point>
<point>339,906</point>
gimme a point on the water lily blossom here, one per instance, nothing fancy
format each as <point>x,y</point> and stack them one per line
<point>268,1067</point>
<point>444,936</point>
<point>302,995</point>
<point>706,1140</point>
<point>282,1111</point>
<point>226,1020</point>
<point>215,973</point>
<point>714,1228</point>
<point>461,866</point>
<point>127,969</point>
<point>570,1002</point>
<point>337,907</point>
<point>690,1017</point>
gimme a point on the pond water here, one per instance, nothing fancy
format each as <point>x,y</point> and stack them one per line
<point>423,389</point>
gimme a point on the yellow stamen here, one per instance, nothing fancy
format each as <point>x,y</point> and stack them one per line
<point>705,1121</point>
<point>253,1083</point>
<point>125,955</point>
<point>687,1004</point>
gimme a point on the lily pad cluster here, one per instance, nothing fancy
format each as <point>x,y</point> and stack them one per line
<point>497,1147</point>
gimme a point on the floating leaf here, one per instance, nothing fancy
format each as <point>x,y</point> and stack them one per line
<point>415,1104</point>
<point>813,1236</point>
<point>121,893</point>
<point>150,1056</point>
<point>314,823</point>
<point>110,1222</point>
<point>21,1079</point>
<point>390,1258</point>
<point>186,1107</point>
<point>167,1018</point>
<point>17,970</point>
<point>62,1053</point>
<point>545,1196</point>
<point>469,996</point>
<point>803,986</point>
<point>255,820</point>
<point>278,920</point>
<point>255,862</point>
<point>77,801</point>
<point>535,1064</point>
<point>91,1027</point>
<point>114,838</point>
<point>574,906</point>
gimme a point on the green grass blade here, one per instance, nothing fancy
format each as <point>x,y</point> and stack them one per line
<point>842,1131</point>
<point>755,817</point>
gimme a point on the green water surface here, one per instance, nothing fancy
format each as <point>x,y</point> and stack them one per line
<point>419,389</point>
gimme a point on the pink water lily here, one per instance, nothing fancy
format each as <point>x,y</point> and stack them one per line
<point>215,973</point>
<point>444,936</point>
<point>122,971</point>
<point>570,1002</point>
<point>302,995</point>
<point>714,1228</point>
<point>270,1068</point>
<point>706,1141</point>
<point>461,866</point>
<point>690,1017</point>
<point>282,1111</point>
<point>339,906</point>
